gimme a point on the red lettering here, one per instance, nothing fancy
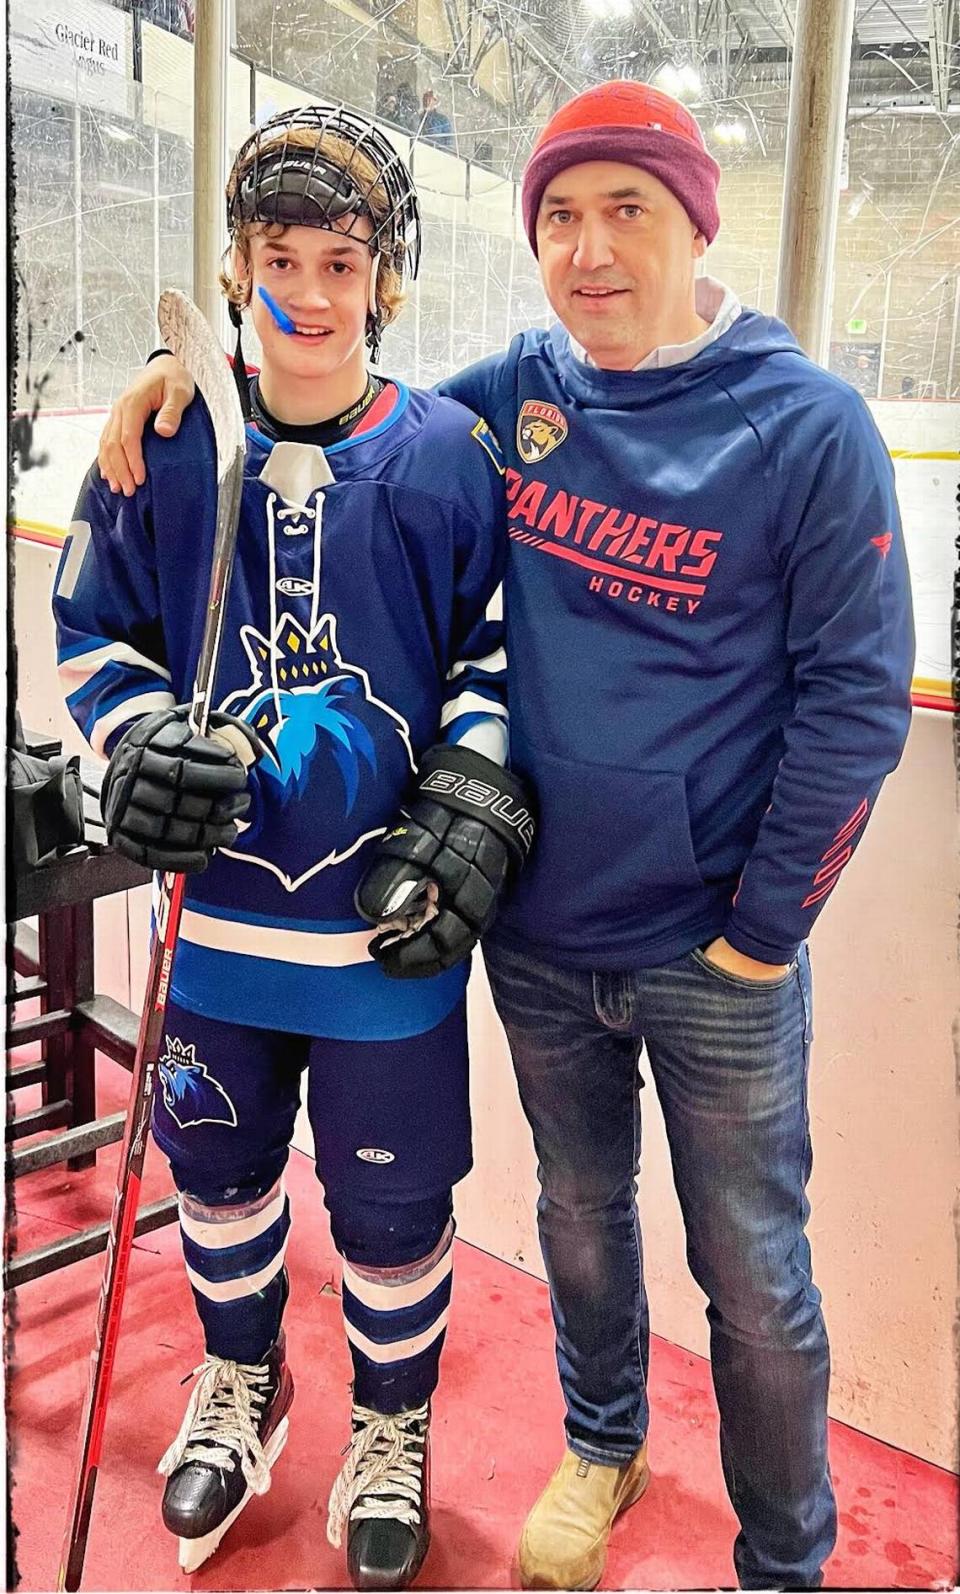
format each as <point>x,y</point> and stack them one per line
<point>589,511</point>
<point>527,506</point>
<point>609,527</point>
<point>669,542</point>
<point>700,549</point>
<point>615,588</point>
<point>672,604</point>
<point>653,600</point>
<point>561,509</point>
<point>514,479</point>
<point>596,583</point>
<point>635,594</point>
<point>692,605</point>
<point>639,539</point>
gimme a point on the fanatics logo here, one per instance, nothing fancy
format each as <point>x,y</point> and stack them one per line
<point>371,1154</point>
<point>540,429</point>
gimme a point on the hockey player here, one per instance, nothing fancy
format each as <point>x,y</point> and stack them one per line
<point>363,627</point>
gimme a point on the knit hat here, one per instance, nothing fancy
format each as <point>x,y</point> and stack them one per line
<point>630,122</point>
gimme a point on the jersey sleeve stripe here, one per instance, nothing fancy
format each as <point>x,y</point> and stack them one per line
<point>132,708</point>
<point>77,668</point>
<point>471,702</point>
<point>493,661</point>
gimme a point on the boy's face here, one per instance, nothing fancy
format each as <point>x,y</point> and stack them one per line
<point>321,278</point>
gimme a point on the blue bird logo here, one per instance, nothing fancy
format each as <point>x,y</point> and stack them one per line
<point>329,740</point>
<point>191,1095</point>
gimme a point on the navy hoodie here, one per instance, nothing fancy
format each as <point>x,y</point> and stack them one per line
<point>710,640</point>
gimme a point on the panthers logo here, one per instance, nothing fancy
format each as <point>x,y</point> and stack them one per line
<point>541,428</point>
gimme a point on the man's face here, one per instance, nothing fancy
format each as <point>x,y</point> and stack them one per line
<point>321,279</point>
<point>617,253</point>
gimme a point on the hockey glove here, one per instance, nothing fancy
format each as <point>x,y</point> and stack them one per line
<point>170,797</point>
<point>436,877</point>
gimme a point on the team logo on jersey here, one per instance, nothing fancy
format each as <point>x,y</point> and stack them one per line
<point>325,731</point>
<point>294,587</point>
<point>374,1154</point>
<point>191,1095</point>
<point>541,428</point>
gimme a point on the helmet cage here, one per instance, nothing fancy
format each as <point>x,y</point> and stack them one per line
<point>291,185</point>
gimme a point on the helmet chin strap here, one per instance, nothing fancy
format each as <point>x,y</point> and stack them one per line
<point>372,294</point>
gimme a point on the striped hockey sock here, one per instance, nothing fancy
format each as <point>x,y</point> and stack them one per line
<point>234,1257</point>
<point>396,1319</point>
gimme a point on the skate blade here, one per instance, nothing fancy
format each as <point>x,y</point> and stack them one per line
<point>193,1552</point>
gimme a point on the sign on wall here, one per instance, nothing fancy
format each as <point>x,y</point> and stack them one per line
<point>78,51</point>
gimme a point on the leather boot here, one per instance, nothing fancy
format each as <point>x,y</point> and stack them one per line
<point>564,1540</point>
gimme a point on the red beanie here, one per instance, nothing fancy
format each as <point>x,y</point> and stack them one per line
<point>633,123</point>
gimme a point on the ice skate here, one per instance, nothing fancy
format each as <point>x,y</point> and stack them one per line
<point>234,1428</point>
<point>383,1497</point>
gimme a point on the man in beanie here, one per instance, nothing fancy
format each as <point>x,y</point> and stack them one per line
<point>711,650</point>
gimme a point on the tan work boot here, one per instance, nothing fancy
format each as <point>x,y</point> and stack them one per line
<point>564,1540</point>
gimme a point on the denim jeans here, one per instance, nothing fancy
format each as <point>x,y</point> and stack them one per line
<point>729,1060</point>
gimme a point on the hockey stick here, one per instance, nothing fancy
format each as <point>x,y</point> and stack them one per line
<point>189,337</point>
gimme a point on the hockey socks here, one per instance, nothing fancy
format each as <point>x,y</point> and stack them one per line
<point>234,1257</point>
<point>383,1497</point>
<point>395,1320</point>
<point>234,1428</point>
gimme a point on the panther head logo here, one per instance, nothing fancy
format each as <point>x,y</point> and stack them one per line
<point>541,428</point>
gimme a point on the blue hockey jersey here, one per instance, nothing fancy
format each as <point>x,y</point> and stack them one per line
<point>710,640</point>
<point>364,623</point>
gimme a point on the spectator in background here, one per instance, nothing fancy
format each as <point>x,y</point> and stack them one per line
<point>408,112</point>
<point>436,127</point>
<point>907,388</point>
<point>483,152</point>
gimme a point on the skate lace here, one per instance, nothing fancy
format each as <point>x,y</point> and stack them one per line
<point>219,1425</point>
<point>383,1470</point>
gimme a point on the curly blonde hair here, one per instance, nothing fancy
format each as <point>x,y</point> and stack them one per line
<point>341,154</point>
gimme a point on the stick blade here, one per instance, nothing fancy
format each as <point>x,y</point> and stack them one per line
<point>188,335</point>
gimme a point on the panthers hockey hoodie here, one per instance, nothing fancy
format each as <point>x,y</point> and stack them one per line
<point>709,638</point>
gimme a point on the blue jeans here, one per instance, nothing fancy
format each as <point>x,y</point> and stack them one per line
<point>729,1060</point>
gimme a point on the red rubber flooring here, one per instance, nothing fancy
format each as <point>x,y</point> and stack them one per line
<point>497,1431</point>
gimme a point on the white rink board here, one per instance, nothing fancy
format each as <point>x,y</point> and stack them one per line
<point>926,489</point>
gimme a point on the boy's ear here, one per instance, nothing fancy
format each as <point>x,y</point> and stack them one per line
<point>240,268</point>
<point>699,245</point>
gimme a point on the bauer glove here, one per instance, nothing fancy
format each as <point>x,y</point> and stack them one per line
<point>170,797</point>
<point>436,877</point>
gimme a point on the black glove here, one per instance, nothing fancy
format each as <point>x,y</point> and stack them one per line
<point>170,797</point>
<point>442,868</point>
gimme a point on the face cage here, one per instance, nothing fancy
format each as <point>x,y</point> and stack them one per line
<point>398,235</point>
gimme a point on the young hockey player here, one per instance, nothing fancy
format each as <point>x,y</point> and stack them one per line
<point>363,627</point>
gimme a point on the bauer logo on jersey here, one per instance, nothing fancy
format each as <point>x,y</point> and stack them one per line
<point>330,741</point>
<point>191,1095</point>
<point>541,428</point>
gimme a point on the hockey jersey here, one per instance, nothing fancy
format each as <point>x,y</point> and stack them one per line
<point>364,623</point>
<point>710,640</point>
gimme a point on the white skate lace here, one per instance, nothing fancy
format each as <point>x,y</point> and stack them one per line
<point>219,1425</point>
<point>385,1459</point>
